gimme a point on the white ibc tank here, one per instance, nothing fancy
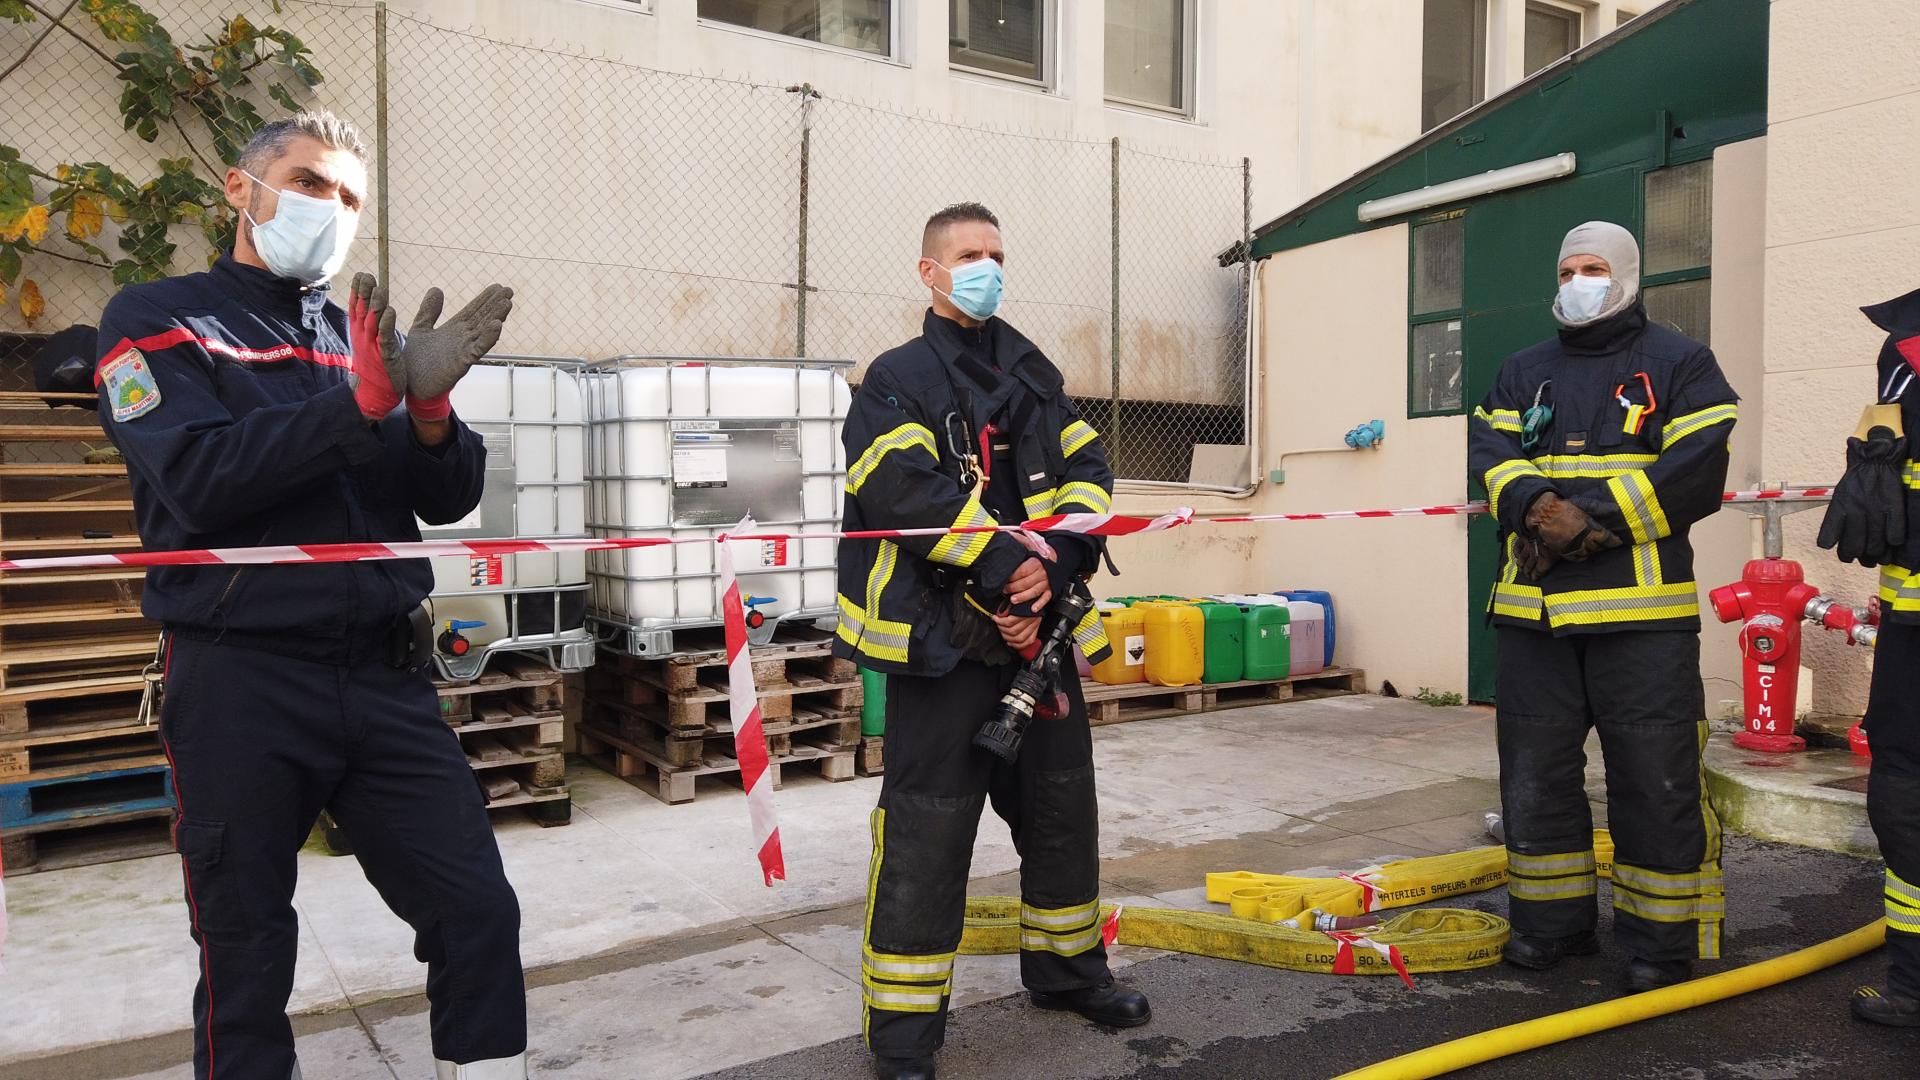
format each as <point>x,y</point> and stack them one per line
<point>686,448</point>
<point>531,414</point>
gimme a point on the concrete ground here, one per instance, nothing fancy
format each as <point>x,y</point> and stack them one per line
<point>652,947</point>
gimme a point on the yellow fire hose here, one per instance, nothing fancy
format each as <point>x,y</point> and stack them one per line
<point>1431,939</point>
<point>1500,1042</point>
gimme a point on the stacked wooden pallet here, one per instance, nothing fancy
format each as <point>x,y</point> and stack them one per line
<point>81,778</point>
<point>663,723</point>
<point>511,722</point>
<point>1143,701</point>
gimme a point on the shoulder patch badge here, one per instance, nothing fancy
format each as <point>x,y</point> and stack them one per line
<point>130,385</point>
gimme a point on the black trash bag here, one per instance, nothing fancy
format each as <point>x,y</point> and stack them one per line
<point>64,365</point>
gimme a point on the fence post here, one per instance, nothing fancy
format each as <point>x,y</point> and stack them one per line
<point>1247,405</point>
<point>807,94</point>
<point>1113,412</point>
<point>380,134</point>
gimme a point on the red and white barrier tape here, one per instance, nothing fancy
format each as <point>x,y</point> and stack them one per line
<point>1089,524</point>
<point>1343,959</point>
<point>749,739</point>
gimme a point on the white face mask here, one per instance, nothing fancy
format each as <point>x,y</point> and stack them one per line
<point>306,239</point>
<point>1582,298</point>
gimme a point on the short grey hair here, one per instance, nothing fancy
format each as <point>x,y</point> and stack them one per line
<point>270,143</point>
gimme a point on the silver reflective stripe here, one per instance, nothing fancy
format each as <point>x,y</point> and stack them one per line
<point>1040,941</point>
<point>1658,884</point>
<point>1622,603</point>
<point>905,996</point>
<point>936,966</point>
<point>1703,907</point>
<point>1568,888</point>
<point>1897,887</point>
<point>1551,865</point>
<point>1058,917</point>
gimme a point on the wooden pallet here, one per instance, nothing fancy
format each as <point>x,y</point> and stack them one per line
<point>73,749</point>
<point>61,799</point>
<point>132,835</point>
<point>689,746</point>
<point>695,696</point>
<point>511,725</point>
<point>1143,701</point>
<point>642,763</point>
<point>872,760</point>
<point>519,685</point>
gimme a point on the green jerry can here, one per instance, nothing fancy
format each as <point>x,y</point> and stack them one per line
<point>1269,652</point>
<point>873,702</point>
<point>1226,656</point>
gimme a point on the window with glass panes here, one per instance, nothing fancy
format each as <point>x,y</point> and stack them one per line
<point>1552,32</point>
<point>1676,273</point>
<point>1435,364</point>
<point>863,25</point>
<point>1149,53</point>
<point>1001,37</point>
<point>1453,68</point>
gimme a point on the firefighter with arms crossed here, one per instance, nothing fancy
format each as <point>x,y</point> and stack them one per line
<point>1599,449</point>
<point>1871,522</point>
<point>253,410</point>
<point>968,425</point>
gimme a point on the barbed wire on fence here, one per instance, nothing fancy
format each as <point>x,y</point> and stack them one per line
<point>636,210</point>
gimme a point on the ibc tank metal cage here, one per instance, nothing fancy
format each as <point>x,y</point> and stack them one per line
<point>683,447</point>
<point>530,413</point>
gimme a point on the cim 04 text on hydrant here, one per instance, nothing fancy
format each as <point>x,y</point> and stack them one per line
<point>1771,599</point>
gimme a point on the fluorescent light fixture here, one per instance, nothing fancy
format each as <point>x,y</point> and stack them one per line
<point>1469,187</point>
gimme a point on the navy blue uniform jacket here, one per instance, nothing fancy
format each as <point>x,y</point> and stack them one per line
<point>256,440</point>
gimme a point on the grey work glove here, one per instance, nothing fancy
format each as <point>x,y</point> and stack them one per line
<point>437,357</point>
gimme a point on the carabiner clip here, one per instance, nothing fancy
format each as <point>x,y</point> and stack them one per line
<point>1636,413</point>
<point>960,448</point>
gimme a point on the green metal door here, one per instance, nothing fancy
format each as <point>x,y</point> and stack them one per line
<point>1512,245</point>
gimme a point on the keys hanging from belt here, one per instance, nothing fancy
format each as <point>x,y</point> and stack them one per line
<point>151,679</point>
<point>1637,412</point>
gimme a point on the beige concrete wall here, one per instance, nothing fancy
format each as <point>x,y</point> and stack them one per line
<point>1334,354</point>
<point>1843,220</point>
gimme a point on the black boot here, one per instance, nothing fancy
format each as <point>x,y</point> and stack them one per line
<point>892,1068</point>
<point>1644,975</point>
<point>1109,1003</point>
<point>1891,1010</point>
<point>1539,954</point>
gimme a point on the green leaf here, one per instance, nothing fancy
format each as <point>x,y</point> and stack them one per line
<point>9,263</point>
<point>281,97</point>
<point>18,11</point>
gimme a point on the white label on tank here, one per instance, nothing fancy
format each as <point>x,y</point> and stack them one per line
<point>1136,650</point>
<point>699,466</point>
<point>695,425</point>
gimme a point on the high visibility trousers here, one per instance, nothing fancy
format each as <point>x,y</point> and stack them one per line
<point>1641,690</point>
<point>260,743</point>
<point>1893,794</point>
<point>923,831</point>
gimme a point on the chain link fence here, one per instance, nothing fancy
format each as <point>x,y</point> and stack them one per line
<point>637,211</point>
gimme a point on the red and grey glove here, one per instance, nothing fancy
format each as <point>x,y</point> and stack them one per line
<point>379,375</point>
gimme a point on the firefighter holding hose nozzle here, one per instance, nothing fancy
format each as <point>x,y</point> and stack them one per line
<point>1870,522</point>
<point>969,425</point>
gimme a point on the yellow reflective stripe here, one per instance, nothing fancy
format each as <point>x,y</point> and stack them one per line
<point>1498,477</point>
<point>877,828</point>
<point>1903,905</point>
<point>877,638</point>
<point>1658,884</point>
<point>1646,565</point>
<point>1638,503</point>
<point>1710,907</point>
<point>1039,941</point>
<point>1912,474</point>
<point>904,437</point>
<point>961,549</point>
<point>1709,934</point>
<point>1568,888</point>
<point>1068,917</point>
<point>1899,588</point>
<point>1589,607</point>
<point>1592,466</point>
<point>1499,419</point>
<point>1905,892</point>
<point>1573,862</point>
<point>1094,497</point>
<point>1075,436</point>
<point>1091,635</point>
<point>1517,601</point>
<point>1682,426</point>
<point>929,968</point>
<point>1512,571</point>
<point>897,998</point>
<point>1040,503</point>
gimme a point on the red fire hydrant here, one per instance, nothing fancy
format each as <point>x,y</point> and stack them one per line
<point>1771,599</point>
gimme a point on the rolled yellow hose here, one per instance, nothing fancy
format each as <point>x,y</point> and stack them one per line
<point>1501,1042</point>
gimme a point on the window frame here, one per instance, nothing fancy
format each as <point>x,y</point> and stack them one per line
<point>1189,62</point>
<point>1417,319</point>
<point>1049,59</point>
<point>895,37</point>
<point>1582,30</point>
<point>1703,272</point>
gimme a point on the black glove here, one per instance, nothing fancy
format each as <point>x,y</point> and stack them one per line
<point>1533,557</point>
<point>1867,518</point>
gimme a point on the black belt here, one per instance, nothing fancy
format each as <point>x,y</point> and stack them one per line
<point>405,643</point>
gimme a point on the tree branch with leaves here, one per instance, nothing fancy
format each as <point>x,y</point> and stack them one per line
<point>165,86</point>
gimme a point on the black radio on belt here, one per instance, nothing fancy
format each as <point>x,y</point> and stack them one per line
<point>410,640</point>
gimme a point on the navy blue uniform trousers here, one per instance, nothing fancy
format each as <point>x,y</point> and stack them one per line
<point>260,743</point>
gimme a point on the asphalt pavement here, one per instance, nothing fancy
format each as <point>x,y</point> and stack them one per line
<point>1216,1019</point>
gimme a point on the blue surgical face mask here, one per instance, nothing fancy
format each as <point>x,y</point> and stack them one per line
<point>976,287</point>
<point>1582,298</point>
<point>306,239</point>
